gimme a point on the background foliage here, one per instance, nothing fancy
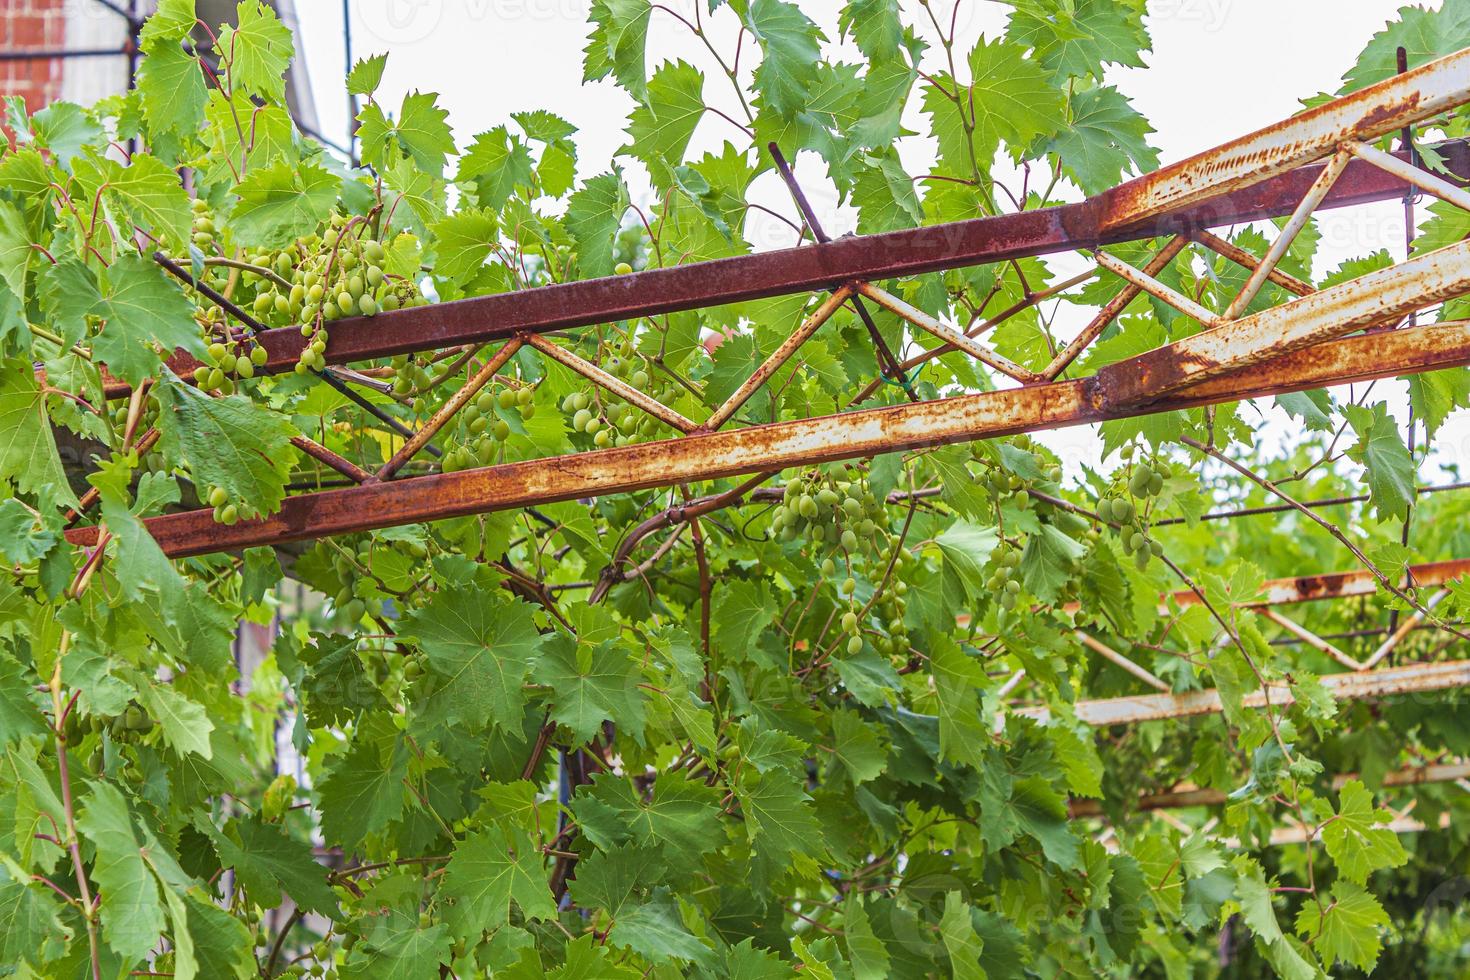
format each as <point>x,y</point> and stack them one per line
<point>769,747</point>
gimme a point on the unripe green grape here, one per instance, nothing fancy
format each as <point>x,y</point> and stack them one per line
<point>218,497</point>
<point>373,251</point>
<point>524,396</point>
<point>373,276</point>
<point>484,401</point>
<point>1156,548</point>
<point>849,540</point>
<point>346,302</point>
<point>390,302</point>
<point>500,430</point>
<point>314,293</point>
<point>368,306</point>
<point>216,377</point>
<point>485,452</point>
<point>218,352</point>
<point>1013,587</point>
<point>263,303</point>
<point>849,585</point>
<point>854,646</point>
<point>201,376</point>
<point>283,265</point>
<point>593,426</point>
<point>580,420</point>
<point>1156,485</point>
<point>580,400</point>
<point>258,356</point>
<point>355,285</point>
<point>529,412</point>
<point>506,399</point>
<point>348,259</point>
<point>829,567</point>
<point>1138,541</point>
<point>281,304</point>
<point>229,514</point>
<point>602,437</point>
<point>622,269</point>
<point>807,507</point>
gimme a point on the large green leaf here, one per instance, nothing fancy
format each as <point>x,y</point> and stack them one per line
<point>232,443</point>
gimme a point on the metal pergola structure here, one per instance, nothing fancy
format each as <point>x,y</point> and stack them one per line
<point>1354,331</point>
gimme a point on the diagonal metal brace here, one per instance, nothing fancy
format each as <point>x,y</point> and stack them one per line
<point>887,364</point>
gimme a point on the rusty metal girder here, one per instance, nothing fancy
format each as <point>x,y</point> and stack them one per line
<point>1339,585</point>
<point>762,448</point>
<point>1384,294</point>
<point>1409,679</point>
<point>1184,797</point>
<point>1379,109</point>
<point>1087,224</point>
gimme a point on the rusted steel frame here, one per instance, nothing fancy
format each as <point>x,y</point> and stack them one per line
<point>1293,227</point>
<point>1246,260</point>
<point>1312,639</point>
<point>610,383</point>
<point>887,363</point>
<point>330,459</point>
<point>1025,303</point>
<point>1161,291</point>
<point>803,269</point>
<point>1369,113</point>
<point>951,337</point>
<point>1407,172</point>
<point>1332,312</point>
<point>1112,309</point>
<point>1338,585</point>
<point>448,410</point>
<point>852,435</point>
<point>778,357</point>
<point>1350,686</point>
<point>1409,624</point>
<point>1109,654</point>
<point>1185,797</point>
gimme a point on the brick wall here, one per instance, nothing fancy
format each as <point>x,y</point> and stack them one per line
<point>32,25</point>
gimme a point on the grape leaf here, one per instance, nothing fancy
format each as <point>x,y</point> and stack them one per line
<point>1106,139</point>
<point>184,723</point>
<point>616,46</point>
<point>171,86</point>
<point>591,685</point>
<point>260,47</point>
<point>496,163</point>
<point>1346,928</point>
<point>1381,452</point>
<point>482,645</point>
<point>655,931</point>
<point>874,26</point>
<point>280,202</point>
<point>594,215</point>
<point>463,242</point>
<point>232,443</point>
<point>366,75</point>
<point>488,871</point>
<point>659,130</point>
<point>132,914</point>
<point>28,454</point>
<point>147,318</point>
<point>1354,838</point>
<point>791,43</point>
<point>363,793</point>
<point>269,863</point>
<point>964,947</point>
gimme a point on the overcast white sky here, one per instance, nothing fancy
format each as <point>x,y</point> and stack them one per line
<point>1218,69</point>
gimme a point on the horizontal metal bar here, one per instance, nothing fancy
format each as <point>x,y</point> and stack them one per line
<point>1366,114</point>
<point>952,338</point>
<point>1338,585</point>
<point>1162,291</point>
<point>804,269</point>
<point>1379,295</point>
<point>852,435</point>
<point>1420,178</point>
<point>611,383</point>
<point>1189,796</point>
<point>1351,686</point>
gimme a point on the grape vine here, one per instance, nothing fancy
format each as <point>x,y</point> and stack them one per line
<point>821,722</point>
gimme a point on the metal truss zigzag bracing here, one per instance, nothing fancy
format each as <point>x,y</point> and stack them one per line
<point>1323,157</point>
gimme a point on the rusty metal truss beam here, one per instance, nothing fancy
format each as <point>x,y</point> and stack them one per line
<point>1185,796</point>
<point>1087,224</point>
<point>1389,681</point>
<point>1245,351</point>
<point>851,435</point>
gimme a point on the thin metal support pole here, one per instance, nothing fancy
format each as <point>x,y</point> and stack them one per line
<point>888,364</point>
